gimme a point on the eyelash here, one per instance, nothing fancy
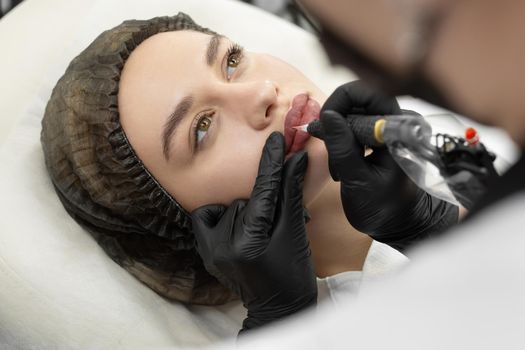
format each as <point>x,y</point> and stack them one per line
<point>195,126</point>
<point>235,51</point>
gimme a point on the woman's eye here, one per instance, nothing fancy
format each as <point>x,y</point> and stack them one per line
<point>231,65</point>
<point>202,128</point>
<point>234,57</point>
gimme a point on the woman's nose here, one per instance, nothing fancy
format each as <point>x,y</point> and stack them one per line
<point>255,102</point>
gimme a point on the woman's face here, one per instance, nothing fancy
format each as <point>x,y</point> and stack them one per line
<point>198,111</point>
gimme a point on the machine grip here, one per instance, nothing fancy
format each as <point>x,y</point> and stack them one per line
<point>363,127</point>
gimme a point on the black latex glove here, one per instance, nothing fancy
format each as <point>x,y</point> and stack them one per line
<point>259,248</point>
<point>469,173</point>
<point>378,198</point>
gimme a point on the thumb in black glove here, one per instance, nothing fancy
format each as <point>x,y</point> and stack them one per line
<point>258,248</point>
<point>378,198</point>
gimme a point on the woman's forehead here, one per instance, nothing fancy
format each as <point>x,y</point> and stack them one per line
<point>163,63</point>
<point>172,45</point>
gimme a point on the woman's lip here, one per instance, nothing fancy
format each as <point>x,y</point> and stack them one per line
<point>303,111</point>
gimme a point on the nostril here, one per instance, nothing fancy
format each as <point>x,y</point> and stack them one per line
<point>268,111</point>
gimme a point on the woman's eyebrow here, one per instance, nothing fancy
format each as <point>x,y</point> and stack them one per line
<point>213,49</point>
<point>180,111</point>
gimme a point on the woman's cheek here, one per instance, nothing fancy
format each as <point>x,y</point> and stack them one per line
<point>235,174</point>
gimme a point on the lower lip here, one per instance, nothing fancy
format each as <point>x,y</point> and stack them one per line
<point>303,111</point>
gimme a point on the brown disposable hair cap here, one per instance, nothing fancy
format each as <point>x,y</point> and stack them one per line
<point>103,184</point>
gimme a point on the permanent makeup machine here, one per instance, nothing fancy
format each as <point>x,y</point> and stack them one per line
<point>453,168</point>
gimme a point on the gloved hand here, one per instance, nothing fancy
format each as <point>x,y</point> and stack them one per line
<point>378,198</point>
<point>259,248</point>
<point>469,172</point>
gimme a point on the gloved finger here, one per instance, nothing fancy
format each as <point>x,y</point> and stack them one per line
<point>394,178</point>
<point>204,223</point>
<point>260,210</point>
<point>293,180</point>
<point>382,157</point>
<point>208,215</point>
<point>204,220</point>
<point>358,98</point>
<point>291,206</point>
<point>345,154</point>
